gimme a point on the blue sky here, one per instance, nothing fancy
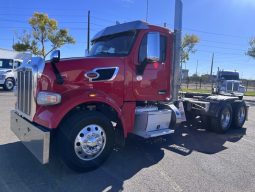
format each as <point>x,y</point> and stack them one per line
<point>224,26</point>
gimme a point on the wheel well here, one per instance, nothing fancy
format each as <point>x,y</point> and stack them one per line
<point>106,110</point>
<point>11,79</point>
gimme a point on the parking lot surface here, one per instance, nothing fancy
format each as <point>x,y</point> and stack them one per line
<point>191,159</point>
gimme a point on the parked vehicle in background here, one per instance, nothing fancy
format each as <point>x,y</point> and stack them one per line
<point>228,83</point>
<point>9,62</point>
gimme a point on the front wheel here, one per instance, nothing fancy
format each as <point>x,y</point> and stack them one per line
<point>8,84</point>
<point>85,140</point>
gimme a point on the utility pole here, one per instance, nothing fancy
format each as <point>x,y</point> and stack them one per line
<point>13,42</point>
<point>197,67</point>
<point>88,32</point>
<point>177,64</point>
<point>212,70</point>
<point>147,10</point>
<point>196,75</point>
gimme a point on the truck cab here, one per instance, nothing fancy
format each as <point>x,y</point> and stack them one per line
<point>8,75</point>
<point>228,83</point>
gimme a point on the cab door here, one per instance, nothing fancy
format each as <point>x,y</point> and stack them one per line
<point>151,81</point>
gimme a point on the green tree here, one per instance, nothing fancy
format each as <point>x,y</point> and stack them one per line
<point>45,34</point>
<point>251,50</point>
<point>188,46</point>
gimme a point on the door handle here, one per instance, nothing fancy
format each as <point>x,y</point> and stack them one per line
<point>162,92</point>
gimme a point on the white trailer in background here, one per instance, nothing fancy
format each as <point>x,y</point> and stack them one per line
<point>9,61</point>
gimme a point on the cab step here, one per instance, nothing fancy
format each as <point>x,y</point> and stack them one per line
<point>150,134</point>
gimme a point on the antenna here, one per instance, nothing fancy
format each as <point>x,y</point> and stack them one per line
<point>147,10</point>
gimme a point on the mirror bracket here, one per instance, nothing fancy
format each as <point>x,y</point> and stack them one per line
<point>54,59</point>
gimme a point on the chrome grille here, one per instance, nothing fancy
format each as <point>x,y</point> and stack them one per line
<point>232,86</point>
<point>24,78</point>
<point>236,87</point>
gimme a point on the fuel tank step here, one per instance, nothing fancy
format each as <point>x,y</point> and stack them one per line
<point>152,122</point>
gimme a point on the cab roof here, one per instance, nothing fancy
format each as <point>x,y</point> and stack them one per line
<point>119,28</point>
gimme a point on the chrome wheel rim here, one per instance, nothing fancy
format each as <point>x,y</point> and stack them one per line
<point>90,142</point>
<point>241,115</point>
<point>225,118</point>
<point>9,84</point>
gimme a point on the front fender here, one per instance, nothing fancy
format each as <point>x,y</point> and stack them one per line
<point>51,116</point>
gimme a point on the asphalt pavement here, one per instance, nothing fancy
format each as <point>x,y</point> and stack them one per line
<point>191,159</point>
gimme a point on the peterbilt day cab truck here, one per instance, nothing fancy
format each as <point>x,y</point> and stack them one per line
<point>228,83</point>
<point>127,85</point>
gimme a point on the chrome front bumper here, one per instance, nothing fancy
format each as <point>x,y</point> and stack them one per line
<point>34,138</point>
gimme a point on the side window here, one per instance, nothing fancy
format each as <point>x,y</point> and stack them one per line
<point>143,49</point>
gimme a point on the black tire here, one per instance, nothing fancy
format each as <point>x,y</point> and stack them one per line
<point>190,117</point>
<point>9,84</point>
<point>238,121</point>
<point>205,122</point>
<point>219,125</point>
<point>68,133</point>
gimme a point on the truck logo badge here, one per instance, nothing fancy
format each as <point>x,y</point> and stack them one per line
<point>91,75</point>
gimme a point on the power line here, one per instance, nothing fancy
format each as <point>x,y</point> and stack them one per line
<point>213,33</point>
<point>221,47</point>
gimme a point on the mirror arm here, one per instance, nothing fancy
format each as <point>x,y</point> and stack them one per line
<point>59,78</point>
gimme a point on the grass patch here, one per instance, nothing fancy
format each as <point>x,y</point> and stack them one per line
<point>196,90</point>
<point>250,93</point>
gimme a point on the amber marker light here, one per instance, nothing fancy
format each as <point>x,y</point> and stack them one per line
<point>92,95</point>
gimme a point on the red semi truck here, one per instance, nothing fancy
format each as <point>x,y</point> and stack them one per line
<point>127,84</point>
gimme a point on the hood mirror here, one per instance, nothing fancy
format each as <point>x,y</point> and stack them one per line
<point>153,46</point>
<point>55,56</point>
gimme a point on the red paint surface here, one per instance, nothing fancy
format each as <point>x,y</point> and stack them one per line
<point>121,93</point>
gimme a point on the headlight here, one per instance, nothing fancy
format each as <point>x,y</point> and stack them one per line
<point>242,89</point>
<point>48,98</point>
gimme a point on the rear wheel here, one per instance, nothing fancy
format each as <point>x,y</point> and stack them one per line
<point>85,140</point>
<point>239,115</point>
<point>8,84</point>
<point>222,123</point>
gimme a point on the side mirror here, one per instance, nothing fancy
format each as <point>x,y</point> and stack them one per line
<point>15,65</point>
<point>55,56</point>
<point>153,46</point>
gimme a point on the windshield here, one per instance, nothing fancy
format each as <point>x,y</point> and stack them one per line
<point>6,64</point>
<point>114,45</point>
<point>230,77</point>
